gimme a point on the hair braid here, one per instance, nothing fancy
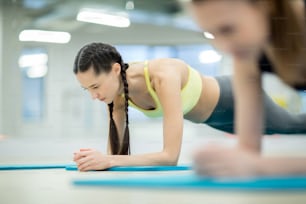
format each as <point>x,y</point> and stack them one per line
<point>125,148</point>
<point>113,132</point>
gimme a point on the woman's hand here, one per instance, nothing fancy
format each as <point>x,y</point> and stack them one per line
<point>91,159</point>
<point>220,161</point>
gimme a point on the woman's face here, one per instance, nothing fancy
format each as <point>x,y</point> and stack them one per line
<point>238,26</point>
<point>105,86</point>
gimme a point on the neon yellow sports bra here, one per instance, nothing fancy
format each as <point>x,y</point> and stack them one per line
<point>190,93</point>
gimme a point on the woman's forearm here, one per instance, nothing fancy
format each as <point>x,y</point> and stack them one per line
<point>248,105</point>
<point>150,159</point>
<point>173,131</point>
<point>282,166</point>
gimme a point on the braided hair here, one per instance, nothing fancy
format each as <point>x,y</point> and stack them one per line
<point>101,57</point>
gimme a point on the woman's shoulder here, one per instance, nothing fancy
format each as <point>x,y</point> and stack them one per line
<point>160,68</point>
<point>165,64</point>
<point>158,61</point>
<point>166,61</point>
<point>164,69</point>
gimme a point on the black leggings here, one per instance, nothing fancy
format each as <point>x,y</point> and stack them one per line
<point>277,119</point>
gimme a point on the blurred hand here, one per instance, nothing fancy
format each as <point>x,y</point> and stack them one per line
<point>91,159</point>
<point>219,161</point>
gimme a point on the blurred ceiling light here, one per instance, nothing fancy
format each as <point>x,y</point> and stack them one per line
<point>129,5</point>
<point>209,56</point>
<point>30,60</point>
<point>208,35</point>
<point>99,17</point>
<point>37,71</point>
<point>35,65</point>
<point>44,36</point>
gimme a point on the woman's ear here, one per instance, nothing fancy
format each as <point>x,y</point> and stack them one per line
<point>116,68</point>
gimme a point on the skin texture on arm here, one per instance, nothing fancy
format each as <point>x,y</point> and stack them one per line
<point>248,104</point>
<point>167,84</point>
<point>282,166</point>
<point>168,88</point>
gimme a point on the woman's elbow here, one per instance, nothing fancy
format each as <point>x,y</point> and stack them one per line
<point>170,159</point>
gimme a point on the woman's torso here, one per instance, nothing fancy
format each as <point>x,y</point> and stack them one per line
<point>141,97</point>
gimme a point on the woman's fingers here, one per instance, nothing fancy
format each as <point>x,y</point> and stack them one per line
<point>78,155</point>
<point>212,160</point>
<point>84,159</point>
<point>81,154</point>
<point>207,154</point>
<point>84,164</point>
<point>225,161</point>
<point>90,159</point>
<point>85,149</point>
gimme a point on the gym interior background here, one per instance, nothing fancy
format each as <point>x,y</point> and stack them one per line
<point>44,113</point>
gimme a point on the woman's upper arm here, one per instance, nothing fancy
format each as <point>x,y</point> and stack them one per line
<point>167,84</point>
<point>248,104</point>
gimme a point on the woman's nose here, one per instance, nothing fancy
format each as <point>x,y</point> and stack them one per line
<point>223,45</point>
<point>94,95</point>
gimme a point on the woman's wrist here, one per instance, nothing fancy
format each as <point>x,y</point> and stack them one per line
<point>260,166</point>
<point>269,166</point>
<point>111,161</point>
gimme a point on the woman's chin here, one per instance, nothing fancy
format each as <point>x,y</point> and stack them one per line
<point>107,101</point>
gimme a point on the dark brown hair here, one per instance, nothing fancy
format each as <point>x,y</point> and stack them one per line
<point>101,57</point>
<point>287,37</point>
<point>288,41</point>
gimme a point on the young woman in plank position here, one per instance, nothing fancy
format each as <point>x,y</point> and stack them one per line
<point>261,36</point>
<point>161,87</point>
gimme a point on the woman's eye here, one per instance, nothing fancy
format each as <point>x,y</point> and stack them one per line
<point>227,30</point>
<point>95,87</point>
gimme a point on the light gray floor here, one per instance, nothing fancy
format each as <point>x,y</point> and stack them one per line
<point>54,186</point>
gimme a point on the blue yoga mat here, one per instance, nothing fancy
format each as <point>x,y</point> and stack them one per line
<point>139,168</point>
<point>32,166</point>
<point>194,182</point>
